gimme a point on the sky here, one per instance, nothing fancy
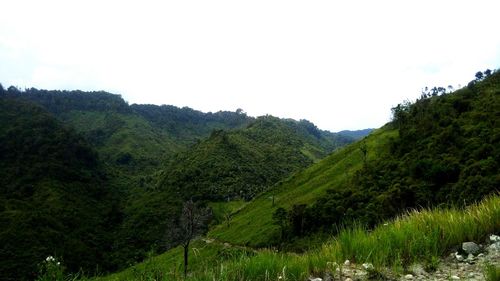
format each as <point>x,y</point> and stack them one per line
<point>339,64</point>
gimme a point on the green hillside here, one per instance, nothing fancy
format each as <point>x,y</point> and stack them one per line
<point>245,162</point>
<point>253,225</point>
<point>133,140</point>
<point>442,149</point>
<point>229,165</point>
<point>54,199</point>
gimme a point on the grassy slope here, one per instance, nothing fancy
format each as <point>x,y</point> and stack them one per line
<point>415,237</point>
<point>252,225</point>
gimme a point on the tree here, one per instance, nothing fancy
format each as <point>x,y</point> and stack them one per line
<point>192,222</point>
<point>487,72</point>
<point>280,218</point>
<point>1,89</point>
<point>364,150</point>
<point>479,76</point>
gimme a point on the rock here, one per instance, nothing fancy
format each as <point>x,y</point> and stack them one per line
<point>454,277</point>
<point>328,277</point>
<point>470,259</point>
<point>471,248</point>
<point>347,263</point>
<point>368,266</point>
<point>494,238</point>
<point>348,279</point>
<point>495,247</point>
<point>417,269</point>
<point>409,277</point>
<point>459,257</point>
<point>315,279</point>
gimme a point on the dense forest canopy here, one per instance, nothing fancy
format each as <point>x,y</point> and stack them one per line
<point>54,199</point>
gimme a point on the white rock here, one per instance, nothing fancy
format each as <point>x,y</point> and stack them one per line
<point>368,266</point>
<point>409,277</point>
<point>454,277</point>
<point>315,279</point>
<point>494,238</point>
<point>347,263</point>
<point>494,247</point>
<point>348,279</point>
<point>459,257</point>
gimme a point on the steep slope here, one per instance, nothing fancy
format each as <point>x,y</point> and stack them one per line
<point>441,150</point>
<point>243,163</point>
<point>253,224</point>
<point>53,198</point>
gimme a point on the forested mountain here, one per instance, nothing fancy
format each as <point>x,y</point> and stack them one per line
<point>54,198</point>
<point>245,162</point>
<point>88,165</point>
<point>441,150</point>
<point>132,140</point>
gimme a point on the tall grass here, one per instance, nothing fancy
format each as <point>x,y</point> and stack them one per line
<point>491,272</point>
<point>418,236</point>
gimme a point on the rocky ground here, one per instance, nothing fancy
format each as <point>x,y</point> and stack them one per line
<point>468,262</point>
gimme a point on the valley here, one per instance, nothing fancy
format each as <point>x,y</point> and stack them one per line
<point>102,186</point>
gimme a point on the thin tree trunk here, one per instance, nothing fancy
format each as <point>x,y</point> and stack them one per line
<point>186,252</point>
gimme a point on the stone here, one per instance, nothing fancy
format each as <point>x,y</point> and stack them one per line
<point>471,248</point>
<point>347,263</point>
<point>348,279</point>
<point>315,279</point>
<point>454,277</point>
<point>494,238</point>
<point>495,247</point>
<point>368,266</point>
<point>409,277</point>
<point>459,257</point>
<point>418,269</point>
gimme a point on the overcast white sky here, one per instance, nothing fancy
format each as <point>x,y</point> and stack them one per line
<point>339,64</point>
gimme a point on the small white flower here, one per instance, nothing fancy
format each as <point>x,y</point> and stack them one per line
<point>58,263</point>
<point>49,259</point>
<point>280,277</point>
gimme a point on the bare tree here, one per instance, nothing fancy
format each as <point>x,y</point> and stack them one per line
<point>192,222</point>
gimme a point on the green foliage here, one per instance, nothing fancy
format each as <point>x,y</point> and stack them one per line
<point>245,162</point>
<point>447,152</point>
<point>53,197</point>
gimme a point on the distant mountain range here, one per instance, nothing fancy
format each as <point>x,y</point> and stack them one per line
<point>356,134</point>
